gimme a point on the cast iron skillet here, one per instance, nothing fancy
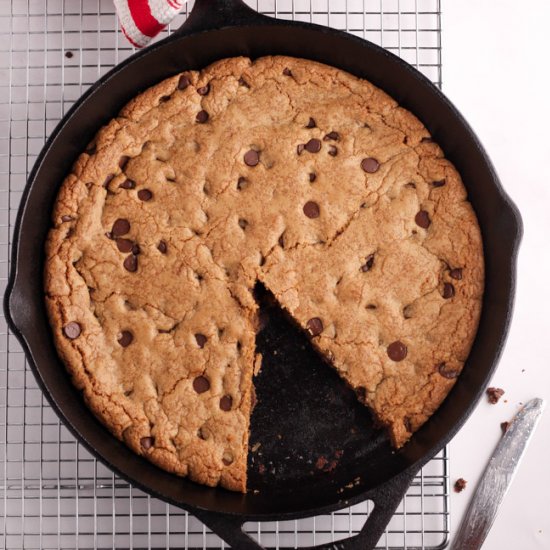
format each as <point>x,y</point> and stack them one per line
<point>310,413</point>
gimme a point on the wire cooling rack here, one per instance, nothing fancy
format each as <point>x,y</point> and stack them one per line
<point>53,494</point>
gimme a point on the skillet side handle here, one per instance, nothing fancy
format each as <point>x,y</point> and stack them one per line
<point>214,14</point>
<point>386,500</point>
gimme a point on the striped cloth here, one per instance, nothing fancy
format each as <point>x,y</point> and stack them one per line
<point>141,20</point>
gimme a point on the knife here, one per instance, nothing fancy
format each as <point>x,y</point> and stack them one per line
<point>497,477</point>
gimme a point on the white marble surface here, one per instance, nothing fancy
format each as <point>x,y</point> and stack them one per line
<point>496,70</point>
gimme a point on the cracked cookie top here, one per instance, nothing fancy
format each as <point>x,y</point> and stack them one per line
<point>281,170</point>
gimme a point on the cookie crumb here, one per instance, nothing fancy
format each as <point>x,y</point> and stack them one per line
<point>460,485</point>
<point>494,394</point>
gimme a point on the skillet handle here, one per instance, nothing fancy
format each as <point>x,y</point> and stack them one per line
<point>214,14</point>
<point>386,498</point>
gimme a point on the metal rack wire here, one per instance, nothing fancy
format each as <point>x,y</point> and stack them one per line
<point>53,494</point>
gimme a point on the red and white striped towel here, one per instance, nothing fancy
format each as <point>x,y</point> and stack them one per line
<point>141,20</point>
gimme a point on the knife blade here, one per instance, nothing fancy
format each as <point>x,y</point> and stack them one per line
<point>497,477</point>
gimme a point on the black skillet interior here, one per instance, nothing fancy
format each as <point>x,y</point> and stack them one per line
<point>300,399</point>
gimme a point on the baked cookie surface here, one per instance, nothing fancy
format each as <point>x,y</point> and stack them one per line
<point>283,171</point>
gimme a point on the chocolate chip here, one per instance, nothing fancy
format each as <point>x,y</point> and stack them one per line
<point>183,82</point>
<point>201,340</point>
<point>136,250</point>
<point>456,273</point>
<point>108,180</point>
<point>439,183</point>
<point>460,485</point>
<point>147,442</point>
<point>202,117</point>
<point>281,240</point>
<point>397,351</point>
<point>201,384</point>
<point>127,184</point>
<point>287,72</point>
<point>448,291</point>
<point>92,148</point>
<point>311,123</point>
<point>72,330</point>
<point>120,227</point>
<point>202,434</point>
<point>333,151</point>
<point>125,338</point>
<point>370,165</point>
<point>494,395</point>
<point>422,219</point>
<point>426,140</point>
<point>204,90</point>
<point>315,326</point>
<point>311,209</point>
<point>447,372</point>
<point>243,82</point>
<point>226,402</point>
<point>162,247</point>
<point>368,263</point>
<point>124,245</point>
<point>131,263</point>
<point>312,177</point>
<point>66,218</point>
<point>109,235</point>
<point>251,158</point>
<point>241,183</point>
<point>123,161</point>
<point>145,195</point>
<point>313,146</point>
<point>243,224</point>
<point>334,136</point>
<point>68,54</point>
<point>300,148</point>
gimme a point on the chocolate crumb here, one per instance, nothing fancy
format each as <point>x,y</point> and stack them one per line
<point>494,395</point>
<point>504,427</point>
<point>460,485</point>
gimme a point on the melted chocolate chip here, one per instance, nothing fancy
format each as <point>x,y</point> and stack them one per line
<point>72,330</point>
<point>439,183</point>
<point>397,351</point>
<point>333,151</point>
<point>227,458</point>
<point>136,249</point>
<point>311,209</point>
<point>123,161</point>
<point>201,340</point>
<point>315,326</point>
<point>66,218</point>
<point>226,402</point>
<point>243,82</point>
<point>147,442</point>
<point>311,123</point>
<point>300,148</point>
<point>145,195</point>
<point>313,146</point>
<point>183,82</point>
<point>447,372</point>
<point>124,245</point>
<point>92,148</point>
<point>204,90</point>
<point>456,273</point>
<point>120,227</point>
<point>127,184</point>
<point>241,183</point>
<point>125,338</point>
<point>162,247</point>
<point>422,219</point>
<point>251,158</point>
<point>312,177</point>
<point>164,99</point>
<point>201,384</point>
<point>367,266</point>
<point>287,72</point>
<point>448,291</point>
<point>370,165</point>
<point>130,263</point>
<point>202,117</point>
<point>334,136</point>
<point>243,224</point>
